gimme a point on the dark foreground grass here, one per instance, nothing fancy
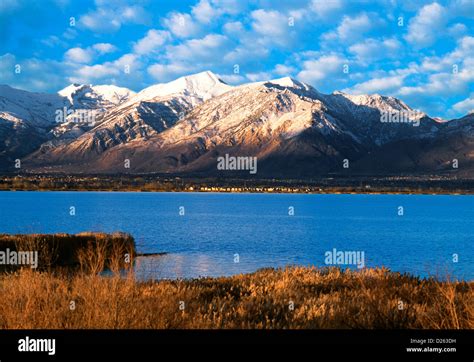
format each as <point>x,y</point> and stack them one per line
<point>296,297</point>
<point>88,249</point>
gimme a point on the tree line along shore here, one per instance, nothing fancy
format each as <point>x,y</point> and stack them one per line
<point>150,183</point>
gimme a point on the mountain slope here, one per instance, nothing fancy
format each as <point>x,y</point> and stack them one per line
<point>142,116</point>
<point>293,130</point>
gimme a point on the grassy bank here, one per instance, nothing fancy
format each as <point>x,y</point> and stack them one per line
<point>292,298</point>
<point>88,249</point>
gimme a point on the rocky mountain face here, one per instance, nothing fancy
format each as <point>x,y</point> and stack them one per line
<point>184,126</point>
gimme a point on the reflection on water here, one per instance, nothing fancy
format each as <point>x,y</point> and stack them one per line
<point>182,266</point>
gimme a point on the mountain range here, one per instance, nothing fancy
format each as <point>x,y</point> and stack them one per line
<point>183,126</point>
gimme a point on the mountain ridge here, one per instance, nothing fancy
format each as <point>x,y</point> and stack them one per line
<point>183,125</point>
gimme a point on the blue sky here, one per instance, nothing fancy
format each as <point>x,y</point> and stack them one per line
<point>419,51</point>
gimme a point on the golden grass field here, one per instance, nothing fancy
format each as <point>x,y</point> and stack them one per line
<point>321,298</point>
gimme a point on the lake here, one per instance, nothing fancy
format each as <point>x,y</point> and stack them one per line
<point>217,234</point>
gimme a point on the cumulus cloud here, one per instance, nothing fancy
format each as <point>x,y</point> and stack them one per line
<point>195,50</point>
<point>104,48</point>
<point>442,84</point>
<point>324,8</point>
<point>373,49</point>
<point>427,25</point>
<point>167,72</point>
<point>78,55</point>
<point>110,19</point>
<point>285,70</point>
<point>319,69</point>
<point>206,11</point>
<point>36,75</point>
<point>109,72</point>
<point>353,28</point>
<point>269,22</point>
<point>182,25</point>
<point>97,71</point>
<point>86,55</point>
<point>465,106</point>
<point>377,85</point>
<point>153,41</point>
<point>233,27</point>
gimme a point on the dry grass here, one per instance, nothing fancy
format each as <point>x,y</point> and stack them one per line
<point>322,298</point>
<point>91,249</point>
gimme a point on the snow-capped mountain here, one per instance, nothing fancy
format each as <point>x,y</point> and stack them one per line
<point>95,96</point>
<point>293,129</point>
<point>144,115</point>
<point>87,105</point>
<point>33,109</point>
<point>29,120</point>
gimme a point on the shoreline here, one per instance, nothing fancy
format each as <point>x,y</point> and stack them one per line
<point>359,192</point>
<point>397,185</point>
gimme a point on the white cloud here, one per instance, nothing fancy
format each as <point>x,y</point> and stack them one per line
<point>86,55</point>
<point>377,85</point>
<point>195,50</point>
<point>465,106</point>
<point>257,77</point>
<point>459,57</point>
<point>127,68</point>
<point>353,28</point>
<point>316,70</point>
<point>134,14</point>
<point>54,41</point>
<point>233,27</point>
<point>153,40</point>
<point>106,18</point>
<point>78,55</point>
<point>325,8</point>
<point>205,12</point>
<point>36,75</point>
<point>373,49</point>
<point>457,30</point>
<point>284,70</point>
<point>441,84</point>
<point>182,25</point>
<point>427,25</point>
<point>270,23</point>
<point>104,48</point>
<point>101,21</point>
<point>246,53</point>
<point>166,72</point>
<point>96,71</point>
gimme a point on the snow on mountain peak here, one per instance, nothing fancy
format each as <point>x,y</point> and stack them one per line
<point>78,94</point>
<point>204,86</point>
<point>290,83</point>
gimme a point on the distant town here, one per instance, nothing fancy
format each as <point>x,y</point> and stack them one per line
<point>159,183</point>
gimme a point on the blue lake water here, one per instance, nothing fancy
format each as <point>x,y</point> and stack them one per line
<point>215,228</point>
